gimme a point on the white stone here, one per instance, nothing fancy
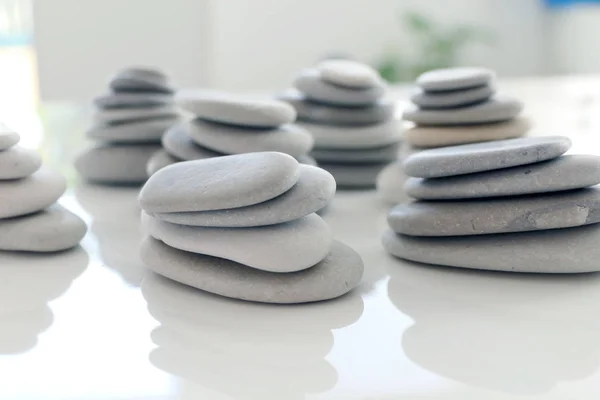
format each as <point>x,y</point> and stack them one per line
<point>455,78</point>
<point>348,73</point>
<point>148,131</point>
<point>123,115</point>
<point>452,99</point>
<point>127,100</point>
<point>179,144</point>
<point>8,137</point>
<point>18,162</point>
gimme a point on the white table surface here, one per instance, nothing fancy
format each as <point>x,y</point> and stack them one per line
<point>92,324</point>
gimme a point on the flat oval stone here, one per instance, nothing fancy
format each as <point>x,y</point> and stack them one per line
<point>380,111</point>
<point>360,156</point>
<point>479,157</point>
<point>340,272</point>
<point>123,115</point>
<point>159,160</point>
<point>18,162</point>
<point>455,78</point>
<point>116,164</point>
<point>149,131</point>
<point>287,247</point>
<point>496,109</point>
<point>311,83</point>
<point>438,136</point>
<point>478,217</point>
<point>179,144</point>
<point>53,229</point>
<point>132,100</point>
<point>354,137</point>
<point>313,191</point>
<point>289,139</point>
<point>563,173</point>
<point>348,73</point>
<point>569,250</point>
<point>219,183</point>
<point>140,80</point>
<point>452,99</point>
<point>8,138</point>
<point>354,175</point>
<point>234,109</point>
<point>28,195</point>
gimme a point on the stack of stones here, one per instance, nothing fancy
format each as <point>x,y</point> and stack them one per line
<point>343,104</point>
<point>512,205</point>
<point>226,124</point>
<point>128,125</point>
<point>30,219</point>
<point>450,107</point>
<point>244,226</point>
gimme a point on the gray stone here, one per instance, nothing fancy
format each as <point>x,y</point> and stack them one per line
<point>8,137</point>
<point>219,183</point>
<point>569,250</point>
<point>359,176</point>
<point>340,272</point>
<point>288,247</point>
<point>563,173</point>
<point>132,100</point>
<point>348,73</point>
<point>479,157</point>
<point>380,111</point>
<point>159,160</point>
<point>179,144</point>
<point>496,109</point>
<point>18,162</point>
<point>140,80</point>
<point>149,131</point>
<point>452,99</point>
<point>367,156</point>
<point>311,83</point>
<point>31,194</point>
<point>228,108</point>
<point>116,164</point>
<point>478,217</point>
<point>53,229</point>
<point>125,115</point>
<point>289,138</point>
<point>314,189</point>
<point>455,78</point>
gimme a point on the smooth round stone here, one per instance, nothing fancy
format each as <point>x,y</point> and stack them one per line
<point>150,131</point>
<point>116,164</point>
<point>496,109</point>
<point>313,191</point>
<point>34,193</point>
<point>452,99</point>
<point>478,217</point>
<point>390,184</point>
<point>563,173</point>
<point>229,108</point>
<point>140,80</point>
<point>382,110</point>
<point>219,183</point>
<point>438,136</point>
<point>454,78</point>
<point>132,100</point>
<point>159,160</point>
<point>288,247</point>
<point>570,250</point>
<point>340,272</point>
<point>354,175</point>
<point>8,138</point>
<point>18,162</point>
<point>478,157</point>
<point>179,144</point>
<point>348,73</point>
<point>311,83</point>
<point>124,115</point>
<point>289,139</point>
<point>377,155</point>
<point>354,137</point>
<point>53,229</point>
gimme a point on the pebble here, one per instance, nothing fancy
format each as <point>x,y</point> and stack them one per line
<point>140,80</point>
<point>18,162</point>
<point>478,217</point>
<point>8,138</point>
<point>149,131</point>
<point>132,100</point>
<point>348,73</point>
<point>360,156</point>
<point>380,111</point>
<point>569,250</point>
<point>159,160</point>
<point>53,229</point>
<point>354,175</point>
<point>454,78</point>
<point>180,145</point>
<point>497,109</point>
<point>311,83</point>
<point>283,248</point>
<point>563,173</point>
<point>289,139</point>
<point>354,137</point>
<point>31,194</point>
<point>452,99</point>
<point>337,274</point>
<point>234,109</point>
<point>219,183</point>
<point>313,191</point>
<point>122,115</point>
<point>438,136</point>
<point>478,157</point>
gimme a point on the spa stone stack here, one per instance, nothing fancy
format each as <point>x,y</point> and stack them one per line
<point>516,205</point>
<point>244,226</point>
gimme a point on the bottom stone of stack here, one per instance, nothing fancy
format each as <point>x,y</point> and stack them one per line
<point>354,176</point>
<point>569,250</point>
<point>337,274</point>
